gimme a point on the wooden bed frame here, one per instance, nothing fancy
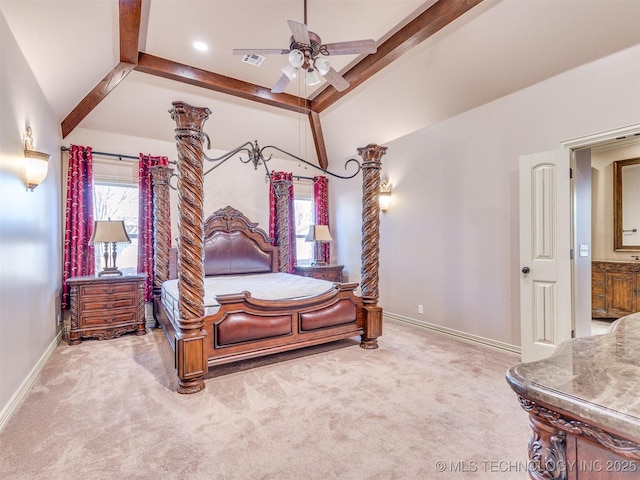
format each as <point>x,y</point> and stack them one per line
<point>245,327</point>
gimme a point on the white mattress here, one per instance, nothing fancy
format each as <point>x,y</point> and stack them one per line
<point>264,286</point>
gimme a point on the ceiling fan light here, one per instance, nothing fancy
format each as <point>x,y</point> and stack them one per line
<point>290,72</point>
<point>322,65</point>
<point>312,78</point>
<point>296,58</point>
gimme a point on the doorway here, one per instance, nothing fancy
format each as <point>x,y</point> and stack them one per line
<point>592,214</point>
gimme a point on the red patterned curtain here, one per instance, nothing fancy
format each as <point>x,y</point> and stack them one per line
<point>273,227</point>
<point>321,214</point>
<point>145,219</point>
<point>79,259</point>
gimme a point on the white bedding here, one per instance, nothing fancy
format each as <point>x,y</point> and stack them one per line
<point>264,286</point>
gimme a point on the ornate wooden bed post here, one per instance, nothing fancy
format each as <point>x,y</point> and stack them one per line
<point>281,188</point>
<point>162,230</point>
<point>190,350</point>
<point>371,164</point>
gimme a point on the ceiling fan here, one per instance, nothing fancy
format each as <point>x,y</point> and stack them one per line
<point>306,52</point>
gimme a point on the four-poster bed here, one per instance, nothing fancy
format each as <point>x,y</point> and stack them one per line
<point>229,247</point>
<point>251,309</point>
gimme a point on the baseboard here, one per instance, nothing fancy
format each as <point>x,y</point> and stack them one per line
<point>22,391</point>
<point>468,337</point>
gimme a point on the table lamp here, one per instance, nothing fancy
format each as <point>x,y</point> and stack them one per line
<point>109,232</point>
<point>318,234</point>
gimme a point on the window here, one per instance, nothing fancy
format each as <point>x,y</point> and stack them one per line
<point>118,201</point>
<point>303,208</point>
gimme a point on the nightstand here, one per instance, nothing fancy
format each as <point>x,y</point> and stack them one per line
<point>333,273</point>
<point>106,307</point>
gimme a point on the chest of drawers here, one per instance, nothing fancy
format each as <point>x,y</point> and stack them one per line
<point>106,307</point>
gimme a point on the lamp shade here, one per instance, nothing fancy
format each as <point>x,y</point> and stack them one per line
<point>296,58</point>
<point>290,72</point>
<point>36,167</point>
<point>109,231</point>
<point>312,78</point>
<point>319,233</point>
<point>322,65</point>
<point>385,200</point>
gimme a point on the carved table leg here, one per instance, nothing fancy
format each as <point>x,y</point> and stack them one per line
<point>546,452</point>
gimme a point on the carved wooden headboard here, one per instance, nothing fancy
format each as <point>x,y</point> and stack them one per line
<point>234,245</point>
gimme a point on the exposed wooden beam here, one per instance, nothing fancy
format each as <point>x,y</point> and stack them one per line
<point>436,17</point>
<point>318,139</point>
<point>130,15</point>
<point>95,96</point>
<point>179,72</point>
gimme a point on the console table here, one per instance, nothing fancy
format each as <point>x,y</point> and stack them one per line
<point>584,406</point>
<point>106,307</point>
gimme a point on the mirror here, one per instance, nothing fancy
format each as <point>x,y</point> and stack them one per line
<point>626,204</point>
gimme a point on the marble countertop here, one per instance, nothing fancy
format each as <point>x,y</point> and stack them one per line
<point>595,378</point>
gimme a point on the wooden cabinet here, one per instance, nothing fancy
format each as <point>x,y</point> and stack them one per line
<point>587,461</point>
<point>582,407</point>
<point>106,307</point>
<point>615,289</point>
<point>333,273</point>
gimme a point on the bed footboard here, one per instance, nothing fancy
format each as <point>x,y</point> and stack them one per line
<point>245,327</point>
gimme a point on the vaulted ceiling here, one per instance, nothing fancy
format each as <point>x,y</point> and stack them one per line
<point>116,66</point>
<point>417,28</point>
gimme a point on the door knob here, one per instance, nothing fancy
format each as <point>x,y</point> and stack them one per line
<point>525,270</point>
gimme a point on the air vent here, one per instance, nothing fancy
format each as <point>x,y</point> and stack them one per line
<point>253,59</point>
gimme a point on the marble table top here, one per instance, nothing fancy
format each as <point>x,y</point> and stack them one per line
<point>595,378</point>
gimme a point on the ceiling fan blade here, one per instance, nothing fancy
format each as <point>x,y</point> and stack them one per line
<point>355,46</point>
<point>300,32</point>
<point>334,78</point>
<point>259,51</point>
<point>281,84</point>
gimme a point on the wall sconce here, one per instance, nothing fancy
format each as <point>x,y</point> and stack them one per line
<point>384,195</point>
<point>36,163</point>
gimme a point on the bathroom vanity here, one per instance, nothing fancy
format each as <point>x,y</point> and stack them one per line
<point>615,289</point>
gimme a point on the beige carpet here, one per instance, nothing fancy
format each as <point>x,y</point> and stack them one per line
<point>108,410</point>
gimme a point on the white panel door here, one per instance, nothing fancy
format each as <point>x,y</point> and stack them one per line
<point>545,248</point>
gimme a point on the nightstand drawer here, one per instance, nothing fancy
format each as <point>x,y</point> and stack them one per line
<point>105,319</point>
<point>332,273</point>
<point>331,276</point>
<point>106,303</point>
<point>108,289</point>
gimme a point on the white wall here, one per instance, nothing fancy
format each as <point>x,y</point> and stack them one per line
<point>450,238</point>
<point>30,245</point>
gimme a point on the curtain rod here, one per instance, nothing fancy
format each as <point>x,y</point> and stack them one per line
<point>106,154</point>
<point>297,177</point>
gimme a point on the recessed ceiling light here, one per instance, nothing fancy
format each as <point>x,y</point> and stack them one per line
<point>203,47</point>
